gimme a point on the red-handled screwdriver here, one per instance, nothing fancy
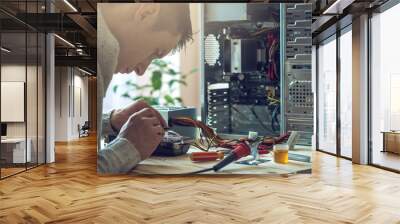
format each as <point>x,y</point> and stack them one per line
<point>206,156</point>
<point>241,150</point>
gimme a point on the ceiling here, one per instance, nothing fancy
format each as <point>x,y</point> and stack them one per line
<point>74,22</point>
<point>329,15</point>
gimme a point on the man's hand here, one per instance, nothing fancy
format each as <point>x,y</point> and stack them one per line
<point>144,130</point>
<point>120,116</point>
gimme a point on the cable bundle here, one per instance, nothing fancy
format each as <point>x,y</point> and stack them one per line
<point>208,138</point>
<point>268,142</point>
<point>238,148</point>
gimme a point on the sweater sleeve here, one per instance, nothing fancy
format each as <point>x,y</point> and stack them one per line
<point>106,125</point>
<point>120,156</point>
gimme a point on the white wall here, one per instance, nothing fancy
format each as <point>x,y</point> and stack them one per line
<point>12,73</point>
<point>190,59</point>
<point>61,103</point>
<point>16,73</point>
<point>71,94</point>
<point>81,104</point>
<point>33,127</point>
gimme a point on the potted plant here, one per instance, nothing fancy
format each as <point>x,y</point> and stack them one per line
<point>158,91</point>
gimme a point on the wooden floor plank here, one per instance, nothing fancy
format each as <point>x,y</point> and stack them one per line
<point>70,191</point>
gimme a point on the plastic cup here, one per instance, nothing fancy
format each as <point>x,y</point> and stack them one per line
<point>281,153</point>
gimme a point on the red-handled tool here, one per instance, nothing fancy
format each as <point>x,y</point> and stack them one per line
<point>240,150</point>
<point>206,156</point>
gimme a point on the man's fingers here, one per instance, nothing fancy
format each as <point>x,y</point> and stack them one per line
<point>142,103</point>
<point>159,130</point>
<point>136,106</point>
<point>145,112</point>
<point>152,121</point>
<point>162,121</point>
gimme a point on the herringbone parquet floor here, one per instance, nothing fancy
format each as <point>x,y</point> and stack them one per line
<point>70,191</point>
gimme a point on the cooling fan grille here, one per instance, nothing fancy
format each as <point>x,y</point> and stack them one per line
<point>212,50</point>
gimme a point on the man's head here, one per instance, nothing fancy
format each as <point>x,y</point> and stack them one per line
<point>146,31</point>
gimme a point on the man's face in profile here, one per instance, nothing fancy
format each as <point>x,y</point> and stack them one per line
<point>140,42</point>
<point>147,47</point>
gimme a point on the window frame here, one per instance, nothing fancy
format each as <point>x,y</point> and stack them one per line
<point>329,35</point>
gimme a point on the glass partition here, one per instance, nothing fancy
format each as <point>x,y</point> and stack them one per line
<point>22,88</point>
<point>41,96</point>
<point>32,97</point>
<point>15,152</point>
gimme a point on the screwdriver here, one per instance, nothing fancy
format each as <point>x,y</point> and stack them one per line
<point>241,150</point>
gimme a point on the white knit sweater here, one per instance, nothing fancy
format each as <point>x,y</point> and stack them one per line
<point>119,156</point>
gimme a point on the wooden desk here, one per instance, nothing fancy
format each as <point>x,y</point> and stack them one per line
<point>391,141</point>
<point>13,150</point>
<point>183,164</point>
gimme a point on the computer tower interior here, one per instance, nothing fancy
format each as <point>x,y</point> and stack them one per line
<point>256,68</point>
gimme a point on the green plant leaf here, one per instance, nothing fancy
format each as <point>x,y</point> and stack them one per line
<point>172,72</point>
<point>179,99</point>
<point>151,100</point>
<point>126,95</point>
<point>160,63</point>
<point>115,88</point>
<point>156,81</point>
<point>137,98</point>
<point>131,84</point>
<point>143,87</point>
<point>155,101</point>
<point>169,99</point>
<point>173,81</point>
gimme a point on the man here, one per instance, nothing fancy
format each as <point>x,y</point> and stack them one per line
<point>130,36</point>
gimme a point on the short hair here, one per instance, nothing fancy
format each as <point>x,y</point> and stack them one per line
<point>175,18</point>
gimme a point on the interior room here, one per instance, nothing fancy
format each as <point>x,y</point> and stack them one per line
<point>25,65</point>
<point>384,89</point>
<point>233,98</point>
<point>346,113</point>
<point>73,89</point>
<point>22,99</point>
<point>333,49</point>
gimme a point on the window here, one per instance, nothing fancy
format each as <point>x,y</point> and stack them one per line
<point>327,96</point>
<point>346,93</point>
<point>385,84</point>
<point>114,97</point>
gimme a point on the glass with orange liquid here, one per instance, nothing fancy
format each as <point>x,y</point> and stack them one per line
<point>281,153</point>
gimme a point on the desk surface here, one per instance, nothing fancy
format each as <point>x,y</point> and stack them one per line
<point>13,140</point>
<point>183,164</point>
<point>390,132</point>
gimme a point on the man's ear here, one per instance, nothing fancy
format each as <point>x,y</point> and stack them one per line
<point>147,13</point>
